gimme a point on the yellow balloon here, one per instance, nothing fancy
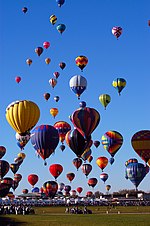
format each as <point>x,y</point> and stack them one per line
<point>54,112</point>
<point>104,99</point>
<point>22,155</point>
<point>22,115</point>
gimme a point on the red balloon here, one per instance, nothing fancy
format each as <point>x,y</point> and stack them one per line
<point>18,79</point>
<point>70,176</point>
<point>77,162</point>
<point>55,170</point>
<point>46,45</point>
<point>79,189</point>
<point>2,151</point>
<point>92,182</point>
<point>33,179</point>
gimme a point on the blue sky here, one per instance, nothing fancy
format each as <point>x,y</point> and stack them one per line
<point>88,32</point>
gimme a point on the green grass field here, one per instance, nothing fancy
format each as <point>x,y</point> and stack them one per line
<point>55,216</point>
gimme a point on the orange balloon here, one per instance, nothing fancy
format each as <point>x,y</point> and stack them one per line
<point>102,162</point>
<point>54,112</point>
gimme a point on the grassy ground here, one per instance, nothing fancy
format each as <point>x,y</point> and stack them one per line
<point>55,216</point>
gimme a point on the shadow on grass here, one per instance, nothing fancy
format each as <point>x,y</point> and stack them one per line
<point>7,221</point>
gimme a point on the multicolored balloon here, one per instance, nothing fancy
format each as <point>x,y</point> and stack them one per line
<point>86,169</point>
<point>81,62</point>
<point>119,84</point>
<point>53,19</point>
<point>77,162</point>
<point>92,182</point>
<point>117,31</point>
<point>70,176</point>
<point>54,112</point>
<point>141,144</point>
<point>53,82</point>
<point>29,61</point>
<point>104,177</point>
<point>112,142</point>
<point>39,51</point>
<point>62,128</point>
<point>47,60</point>
<point>102,162</point>
<point>85,120</point>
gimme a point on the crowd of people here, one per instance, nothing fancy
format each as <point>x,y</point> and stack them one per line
<point>16,209</point>
<point>77,210</point>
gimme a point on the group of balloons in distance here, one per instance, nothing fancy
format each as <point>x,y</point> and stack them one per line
<point>24,115</point>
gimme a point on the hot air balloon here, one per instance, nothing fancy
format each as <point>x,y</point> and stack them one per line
<point>112,142</point>
<point>18,161</point>
<point>117,31</point>
<point>56,98</point>
<point>14,167</point>
<point>141,144</point>
<point>73,193</point>
<point>39,51</point>
<point>56,74</point>
<point>136,172</point>
<point>62,128</point>
<point>50,188</point>
<point>55,170</point>
<point>108,187</point>
<point>104,99</point>
<point>46,96</point>
<point>47,60</point>
<point>4,168</point>
<point>76,142</point>
<point>77,162</point>
<point>61,186</point>
<point>18,79</point>
<point>22,155</point>
<point>25,191</point>
<point>92,182</point>
<point>86,169</point>
<point>17,177</point>
<point>53,19</point>
<point>54,112</point>
<point>85,120</point>
<point>24,9</point>
<point>22,116</point>
<point>82,104</point>
<point>2,151</point>
<point>29,61</point>
<point>61,28</point>
<point>33,179</point>
<point>78,85</point>
<point>67,188</point>
<point>96,143</point>
<point>90,158</point>
<point>44,139</point>
<point>86,154</point>
<point>7,181</point>
<point>81,62</point>
<point>35,190</point>
<point>15,184</point>
<point>4,190</point>
<point>62,147</point>
<point>22,139</point>
<point>79,189</point>
<point>62,65</point>
<point>53,82</point>
<point>46,45</point>
<point>104,177</point>
<point>60,2</point>
<point>70,176</point>
<point>89,194</point>
<point>102,162</point>
<point>148,22</point>
<point>119,84</point>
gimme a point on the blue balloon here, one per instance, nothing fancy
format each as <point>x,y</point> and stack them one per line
<point>136,172</point>
<point>60,2</point>
<point>45,139</point>
<point>111,160</point>
<point>36,189</point>
<point>82,104</point>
